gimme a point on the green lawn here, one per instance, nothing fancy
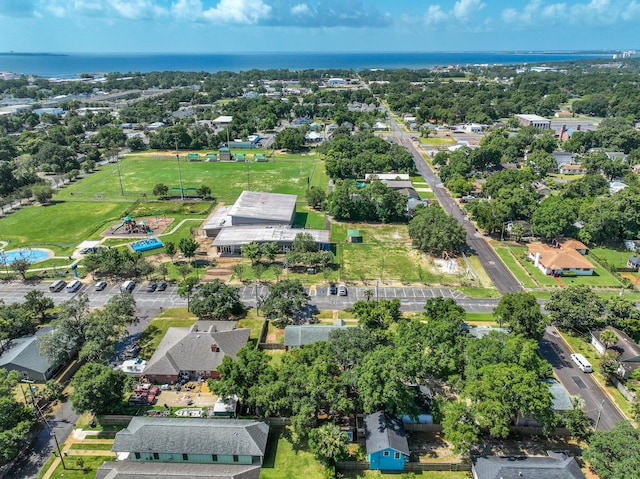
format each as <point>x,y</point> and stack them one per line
<point>309,218</point>
<point>514,266</point>
<point>438,141</point>
<point>480,293</point>
<point>227,180</point>
<point>91,465</point>
<point>254,324</point>
<point>88,446</point>
<point>61,225</point>
<point>480,317</point>
<point>282,461</point>
<point>615,257</point>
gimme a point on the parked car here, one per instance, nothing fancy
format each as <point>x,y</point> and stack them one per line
<point>100,285</point>
<point>162,285</point>
<point>342,290</point>
<point>333,289</point>
<point>151,287</point>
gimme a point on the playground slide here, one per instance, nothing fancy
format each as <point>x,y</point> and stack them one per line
<point>120,226</point>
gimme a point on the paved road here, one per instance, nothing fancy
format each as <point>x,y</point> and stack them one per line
<point>495,268</point>
<point>597,402</point>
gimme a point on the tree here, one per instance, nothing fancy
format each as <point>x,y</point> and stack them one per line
<point>170,249</point>
<point>503,393</point>
<point>98,389</point>
<point>517,232</point>
<point>252,252</point>
<point>204,192</point>
<point>608,338</point>
<point>350,345</point>
<point>277,271</point>
<point>184,269</point>
<point>287,302</point>
<point>38,305</point>
<point>521,313</point>
<point>377,314</point>
<point>270,250</point>
<point>42,194</point>
<point>21,266</point>
<point>162,270</point>
<point>433,231</point>
<point>316,197</point>
<point>615,454</point>
<point>161,190</point>
<point>459,426</point>
<point>576,420</point>
<point>328,444</point>
<point>291,139</point>
<point>16,418</point>
<point>53,390</point>
<point>238,270</point>
<point>216,301</point>
<point>186,288</point>
<point>554,217</point>
<point>577,307</point>
<point>188,247</point>
<point>304,243</point>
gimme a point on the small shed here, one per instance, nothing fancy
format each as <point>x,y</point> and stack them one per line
<point>211,157</point>
<point>193,156</point>
<point>224,154</point>
<point>260,158</point>
<point>240,157</point>
<point>354,236</point>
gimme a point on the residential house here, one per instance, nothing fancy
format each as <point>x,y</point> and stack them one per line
<point>158,470</point>
<point>632,245</point>
<point>386,442</point>
<point>569,243</point>
<point>557,261</point>
<point>22,355</point>
<point>554,466</point>
<point>571,170</point>
<point>196,352</point>
<point>560,402</point>
<point>627,350</point>
<point>535,121</point>
<point>188,448</point>
<point>296,336</point>
<point>616,155</point>
<point>616,186</point>
<point>563,158</point>
<point>633,262</point>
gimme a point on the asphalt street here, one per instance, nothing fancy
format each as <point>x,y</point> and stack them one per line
<point>495,268</point>
<point>597,403</point>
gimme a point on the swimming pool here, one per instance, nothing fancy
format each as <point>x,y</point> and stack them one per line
<point>32,255</point>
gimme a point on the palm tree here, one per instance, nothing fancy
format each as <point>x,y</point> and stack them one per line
<point>608,338</point>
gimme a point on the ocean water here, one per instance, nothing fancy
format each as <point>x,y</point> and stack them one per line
<point>70,65</point>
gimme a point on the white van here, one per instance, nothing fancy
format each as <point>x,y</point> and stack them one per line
<point>127,286</point>
<point>74,286</point>
<point>583,364</point>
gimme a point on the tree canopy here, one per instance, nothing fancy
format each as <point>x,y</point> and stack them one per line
<point>433,231</point>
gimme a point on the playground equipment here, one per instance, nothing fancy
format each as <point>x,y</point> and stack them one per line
<point>131,227</point>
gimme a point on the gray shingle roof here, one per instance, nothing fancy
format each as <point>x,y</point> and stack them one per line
<point>193,436</point>
<point>556,466</point>
<point>184,349</point>
<point>385,431</point>
<point>23,353</point>
<point>156,470</point>
<point>295,336</point>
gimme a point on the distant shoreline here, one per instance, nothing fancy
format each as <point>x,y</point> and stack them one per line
<point>72,65</point>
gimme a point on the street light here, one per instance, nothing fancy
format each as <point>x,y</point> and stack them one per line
<point>179,174</point>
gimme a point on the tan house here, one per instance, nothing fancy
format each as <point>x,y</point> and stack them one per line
<point>557,261</point>
<point>571,170</point>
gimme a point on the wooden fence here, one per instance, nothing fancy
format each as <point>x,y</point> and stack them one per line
<point>408,466</point>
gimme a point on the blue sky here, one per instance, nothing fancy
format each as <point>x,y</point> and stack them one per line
<point>220,26</point>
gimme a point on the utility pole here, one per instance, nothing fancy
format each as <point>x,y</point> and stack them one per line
<point>119,175</point>
<point>179,174</point>
<point>64,466</point>
<point>599,415</point>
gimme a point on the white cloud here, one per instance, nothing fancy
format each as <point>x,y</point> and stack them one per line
<point>107,9</point>
<point>435,15</point>
<point>187,8</point>
<point>301,9</point>
<point>247,12</point>
<point>590,13</point>
<point>463,9</point>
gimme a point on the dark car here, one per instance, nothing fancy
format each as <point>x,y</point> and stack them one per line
<point>162,285</point>
<point>151,287</point>
<point>333,289</point>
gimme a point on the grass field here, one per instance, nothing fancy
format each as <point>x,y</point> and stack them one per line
<point>91,465</point>
<point>227,180</point>
<point>517,270</point>
<point>283,461</point>
<point>155,331</point>
<point>615,257</point>
<point>438,141</point>
<point>61,225</point>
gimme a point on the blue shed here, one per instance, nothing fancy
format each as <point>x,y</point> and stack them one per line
<point>386,441</point>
